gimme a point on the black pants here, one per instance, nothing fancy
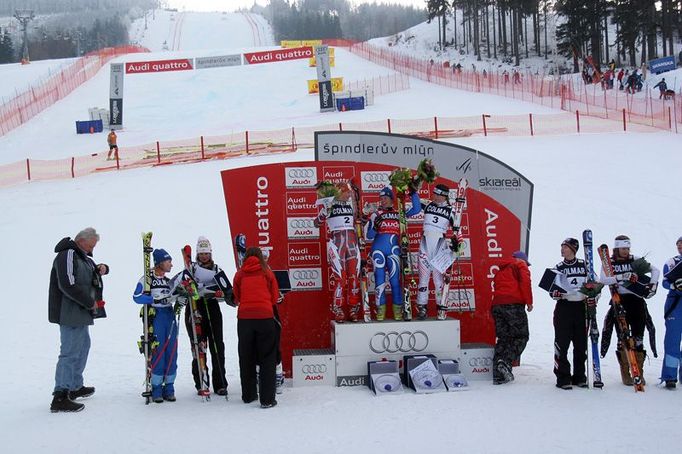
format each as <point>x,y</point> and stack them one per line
<point>212,334</point>
<point>257,346</point>
<point>511,330</point>
<point>635,314</point>
<point>570,327</point>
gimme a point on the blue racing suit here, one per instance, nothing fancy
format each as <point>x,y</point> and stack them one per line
<point>673,326</point>
<point>384,229</point>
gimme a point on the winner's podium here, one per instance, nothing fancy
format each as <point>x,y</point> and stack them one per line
<point>354,344</point>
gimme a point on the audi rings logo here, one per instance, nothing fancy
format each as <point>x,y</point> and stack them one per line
<point>301,223</point>
<point>301,172</point>
<point>480,361</point>
<point>374,181</point>
<point>305,274</point>
<point>372,177</point>
<point>300,177</point>
<point>394,342</point>
<point>314,369</point>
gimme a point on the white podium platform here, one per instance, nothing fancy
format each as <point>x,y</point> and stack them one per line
<point>355,344</point>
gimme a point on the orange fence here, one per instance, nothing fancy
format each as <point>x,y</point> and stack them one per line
<point>37,98</point>
<point>563,92</point>
<point>381,85</point>
<point>291,139</point>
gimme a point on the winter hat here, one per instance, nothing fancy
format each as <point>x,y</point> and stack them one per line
<point>521,255</point>
<point>160,256</point>
<point>387,192</point>
<point>441,189</point>
<point>204,246</point>
<point>572,243</point>
<point>679,240</point>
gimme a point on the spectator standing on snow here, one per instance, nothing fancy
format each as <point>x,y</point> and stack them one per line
<point>511,298</point>
<point>75,295</point>
<point>113,147</point>
<point>662,87</point>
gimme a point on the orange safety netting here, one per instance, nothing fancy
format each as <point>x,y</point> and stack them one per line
<point>39,97</point>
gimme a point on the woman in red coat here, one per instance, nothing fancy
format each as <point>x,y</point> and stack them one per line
<point>512,296</point>
<point>256,290</point>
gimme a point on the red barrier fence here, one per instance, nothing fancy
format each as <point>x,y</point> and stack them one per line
<point>290,139</point>
<point>34,100</point>
<point>564,92</point>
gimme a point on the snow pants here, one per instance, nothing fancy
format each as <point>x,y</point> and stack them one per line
<point>511,330</point>
<point>570,327</point>
<point>165,356</point>
<point>211,333</point>
<point>673,337</point>
<point>257,346</point>
<point>386,261</point>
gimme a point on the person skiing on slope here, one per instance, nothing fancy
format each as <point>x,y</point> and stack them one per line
<point>439,217</point>
<point>384,228</point>
<point>569,319</point>
<point>673,322</point>
<point>165,327</point>
<point>204,271</point>
<point>634,305</point>
<point>343,253</point>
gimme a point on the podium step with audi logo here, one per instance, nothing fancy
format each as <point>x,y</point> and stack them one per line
<point>476,362</point>
<point>356,344</point>
<point>313,367</point>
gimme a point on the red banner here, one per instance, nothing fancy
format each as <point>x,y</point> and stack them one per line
<point>273,205</point>
<point>271,56</point>
<point>157,66</point>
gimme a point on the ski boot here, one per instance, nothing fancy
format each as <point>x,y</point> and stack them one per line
<point>624,368</point>
<point>670,384</point>
<point>421,311</point>
<point>381,313</point>
<point>442,312</point>
<point>339,316</point>
<point>279,379</point>
<point>504,373</point>
<point>355,313</point>
<point>640,355</point>
<point>397,313</point>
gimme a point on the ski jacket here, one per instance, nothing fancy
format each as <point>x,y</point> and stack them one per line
<point>621,267</point>
<point>512,284</point>
<point>204,277</point>
<point>576,275</point>
<point>74,286</point>
<point>256,290</point>
<point>670,264</point>
<point>161,291</point>
<point>339,216</point>
<point>387,221</point>
<point>438,218</point>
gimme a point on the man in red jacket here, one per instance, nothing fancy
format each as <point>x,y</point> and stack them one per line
<point>512,292</point>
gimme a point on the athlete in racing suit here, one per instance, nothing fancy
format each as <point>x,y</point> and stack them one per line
<point>439,216</point>
<point>384,228</point>
<point>343,253</point>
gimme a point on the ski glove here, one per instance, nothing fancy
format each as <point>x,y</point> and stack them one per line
<point>556,295</point>
<point>651,290</point>
<point>678,284</point>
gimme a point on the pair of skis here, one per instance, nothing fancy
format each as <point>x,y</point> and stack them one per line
<point>361,246</point>
<point>591,314</point>
<point>458,203</point>
<point>148,339</point>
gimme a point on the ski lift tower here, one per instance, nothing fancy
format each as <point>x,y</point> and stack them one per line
<point>24,16</point>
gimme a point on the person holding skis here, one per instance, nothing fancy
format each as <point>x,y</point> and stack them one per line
<point>383,228</point>
<point>343,253</point>
<point>111,141</point>
<point>75,294</point>
<point>204,271</point>
<point>625,273</point>
<point>256,289</point>
<point>165,303</point>
<point>673,322</point>
<point>511,296</point>
<point>439,217</point>
<point>569,319</point>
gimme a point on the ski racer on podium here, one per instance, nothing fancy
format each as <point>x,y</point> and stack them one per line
<point>384,229</point>
<point>439,217</point>
<point>343,253</point>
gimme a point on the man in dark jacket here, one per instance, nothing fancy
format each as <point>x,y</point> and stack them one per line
<point>511,297</point>
<point>75,295</point>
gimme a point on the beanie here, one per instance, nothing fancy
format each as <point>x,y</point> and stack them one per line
<point>160,255</point>
<point>441,189</point>
<point>203,246</point>
<point>572,244</point>
<point>386,192</point>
